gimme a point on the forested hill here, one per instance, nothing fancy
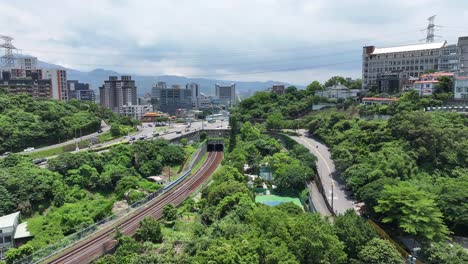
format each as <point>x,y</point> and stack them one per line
<point>32,122</point>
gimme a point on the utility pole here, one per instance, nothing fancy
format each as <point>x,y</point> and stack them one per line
<point>332,185</point>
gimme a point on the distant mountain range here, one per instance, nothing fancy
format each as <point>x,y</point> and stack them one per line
<point>144,83</point>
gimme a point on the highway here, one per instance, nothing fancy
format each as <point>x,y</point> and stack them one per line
<point>104,128</point>
<point>96,245</point>
<point>326,170</point>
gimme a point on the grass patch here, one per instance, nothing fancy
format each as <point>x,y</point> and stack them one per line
<point>197,166</point>
<point>58,150</point>
<point>107,136</point>
<point>182,230</point>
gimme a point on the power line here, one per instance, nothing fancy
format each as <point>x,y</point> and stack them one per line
<point>278,70</point>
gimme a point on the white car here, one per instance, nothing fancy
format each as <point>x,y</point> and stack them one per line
<point>29,149</point>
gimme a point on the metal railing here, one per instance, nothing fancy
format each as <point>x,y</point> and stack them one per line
<point>73,239</point>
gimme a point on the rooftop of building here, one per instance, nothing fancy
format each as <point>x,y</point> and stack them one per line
<point>414,47</point>
<point>437,74</point>
<point>428,81</point>
<point>8,220</point>
<point>154,114</point>
<point>22,231</point>
<point>379,99</point>
<point>337,87</point>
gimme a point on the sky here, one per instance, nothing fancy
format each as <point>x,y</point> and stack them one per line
<point>295,41</point>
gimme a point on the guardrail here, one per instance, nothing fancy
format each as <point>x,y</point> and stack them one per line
<point>78,236</point>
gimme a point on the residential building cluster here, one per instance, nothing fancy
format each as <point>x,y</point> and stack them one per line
<point>26,77</point>
<point>396,69</point>
<point>175,100</point>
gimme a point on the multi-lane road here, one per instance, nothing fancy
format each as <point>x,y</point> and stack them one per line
<point>95,246</point>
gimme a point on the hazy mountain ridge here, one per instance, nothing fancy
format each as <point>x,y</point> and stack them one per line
<point>144,83</point>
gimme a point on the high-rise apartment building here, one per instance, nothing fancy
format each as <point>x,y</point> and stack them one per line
<point>59,83</point>
<point>116,93</point>
<point>172,99</point>
<point>156,94</point>
<point>80,91</point>
<point>32,85</point>
<point>196,96</point>
<point>226,93</point>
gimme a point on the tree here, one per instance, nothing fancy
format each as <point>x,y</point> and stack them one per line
<point>169,212</point>
<point>445,85</point>
<point>290,208</point>
<point>314,86</point>
<point>291,90</point>
<point>379,251</point>
<point>7,203</point>
<point>149,230</point>
<point>336,80</point>
<point>275,121</point>
<point>452,194</point>
<point>444,253</point>
<point>353,231</point>
<point>18,253</point>
<point>414,211</point>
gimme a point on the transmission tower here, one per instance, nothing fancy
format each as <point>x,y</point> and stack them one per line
<point>431,29</point>
<point>8,59</point>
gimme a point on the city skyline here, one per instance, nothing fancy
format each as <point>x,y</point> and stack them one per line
<point>290,41</point>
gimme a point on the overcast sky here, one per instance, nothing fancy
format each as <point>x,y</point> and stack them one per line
<point>295,41</point>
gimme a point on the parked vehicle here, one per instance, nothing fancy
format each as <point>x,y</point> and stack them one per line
<point>29,149</point>
<point>178,132</point>
<point>6,154</point>
<point>100,131</point>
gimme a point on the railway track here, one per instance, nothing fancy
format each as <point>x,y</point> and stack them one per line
<point>97,245</point>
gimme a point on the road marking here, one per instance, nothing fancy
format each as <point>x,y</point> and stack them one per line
<point>314,148</point>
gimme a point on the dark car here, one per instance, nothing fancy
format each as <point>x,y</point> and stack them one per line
<point>178,132</point>
<point>100,131</point>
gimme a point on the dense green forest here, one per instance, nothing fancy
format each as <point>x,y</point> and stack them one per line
<point>410,171</point>
<point>79,189</point>
<point>225,225</point>
<point>31,122</point>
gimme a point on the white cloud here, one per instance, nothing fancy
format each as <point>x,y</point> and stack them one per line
<point>209,37</point>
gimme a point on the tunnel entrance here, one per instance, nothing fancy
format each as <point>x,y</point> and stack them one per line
<point>210,147</point>
<point>219,147</point>
<point>215,145</point>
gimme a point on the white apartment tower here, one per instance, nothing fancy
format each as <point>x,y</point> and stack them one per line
<point>59,83</point>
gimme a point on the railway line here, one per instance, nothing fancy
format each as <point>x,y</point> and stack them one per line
<point>97,245</point>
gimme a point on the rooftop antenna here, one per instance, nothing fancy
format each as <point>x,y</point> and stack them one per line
<point>430,30</point>
<point>8,59</point>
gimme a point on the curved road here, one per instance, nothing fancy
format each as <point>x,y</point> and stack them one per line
<point>329,178</point>
<point>96,245</point>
